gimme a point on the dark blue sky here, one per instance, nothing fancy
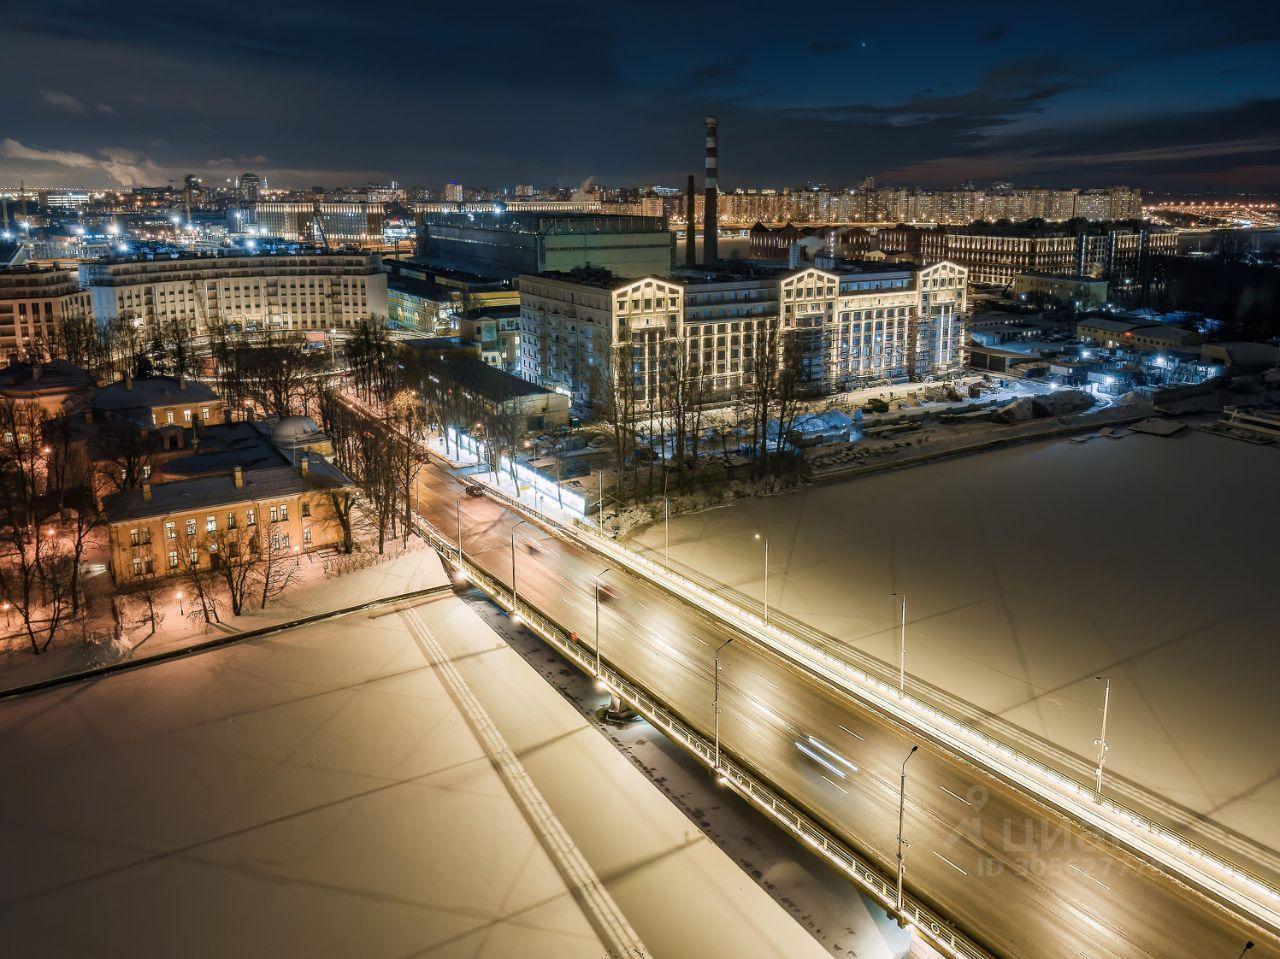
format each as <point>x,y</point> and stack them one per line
<point>1161,94</point>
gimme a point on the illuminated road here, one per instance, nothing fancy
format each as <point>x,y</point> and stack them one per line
<point>1016,877</point>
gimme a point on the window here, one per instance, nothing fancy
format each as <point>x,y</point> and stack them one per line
<point>274,514</point>
<point>134,538</point>
<point>170,530</point>
<point>284,512</point>
<point>173,559</point>
<point>204,412</point>
<point>191,527</point>
<point>193,557</point>
<point>249,517</point>
<point>168,416</point>
<point>306,535</point>
<point>231,521</point>
<point>146,472</point>
<point>211,524</point>
<point>137,567</point>
<point>306,507</point>
<point>186,416</point>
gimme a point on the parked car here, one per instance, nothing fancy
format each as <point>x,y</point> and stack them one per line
<point>475,490</point>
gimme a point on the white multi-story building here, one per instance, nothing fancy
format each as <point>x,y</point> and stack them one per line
<point>354,222</point>
<point>848,328</point>
<point>35,302</point>
<point>300,292</point>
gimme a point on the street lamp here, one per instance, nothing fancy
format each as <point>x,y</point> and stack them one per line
<point>715,705</point>
<point>1247,946</point>
<point>600,490</point>
<point>515,597</point>
<point>902,843</point>
<point>597,592</point>
<point>181,609</point>
<point>8,609</point>
<point>457,510</point>
<point>765,540</point>
<point>1101,741</point>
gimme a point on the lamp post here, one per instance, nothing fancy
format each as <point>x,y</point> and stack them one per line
<point>181,609</point>
<point>1101,741</point>
<point>666,521</point>
<point>597,592</point>
<point>515,597</point>
<point>715,705</point>
<point>1247,946</point>
<point>902,843</point>
<point>902,643</point>
<point>765,540</point>
<point>8,609</point>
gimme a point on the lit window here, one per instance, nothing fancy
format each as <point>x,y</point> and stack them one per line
<point>191,527</point>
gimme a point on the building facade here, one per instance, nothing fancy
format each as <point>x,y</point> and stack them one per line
<point>357,223</point>
<point>1080,292</point>
<point>309,291</point>
<point>166,529</point>
<point>847,329</point>
<point>35,302</point>
<point>517,243</point>
<point>995,254</point>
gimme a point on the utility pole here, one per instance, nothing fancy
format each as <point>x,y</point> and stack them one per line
<point>902,843</point>
<point>600,481</point>
<point>715,705</point>
<point>666,522</point>
<point>458,516</point>
<point>1101,741</point>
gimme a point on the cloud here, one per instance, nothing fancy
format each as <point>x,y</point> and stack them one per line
<point>106,109</point>
<point>238,162</point>
<point>711,74</point>
<point>124,167</point>
<point>62,101</point>
<point>66,158</point>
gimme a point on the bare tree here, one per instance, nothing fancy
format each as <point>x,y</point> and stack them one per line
<point>237,561</point>
<point>123,454</point>
<point>200,576</point>
<point>614,394</point>
<point>278,568</point>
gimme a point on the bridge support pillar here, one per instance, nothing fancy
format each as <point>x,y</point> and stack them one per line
<point>618,712</point>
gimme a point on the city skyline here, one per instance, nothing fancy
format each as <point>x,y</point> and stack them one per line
<point>930,96</point>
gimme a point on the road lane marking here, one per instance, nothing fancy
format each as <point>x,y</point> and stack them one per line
<point>769,681</point>
<point>838,786</point>
<point>1072,865</point>
<point>955,795</point>
<point>850,731</point>
<point>950,863</point>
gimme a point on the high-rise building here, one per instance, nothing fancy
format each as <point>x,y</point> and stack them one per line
<point>453,191</point>
<point>358,223</point>
<point>248,188</point>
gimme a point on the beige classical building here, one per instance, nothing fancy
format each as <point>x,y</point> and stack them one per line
<point>35,303</point>
<point>297,292</point>
<point>159,401</point>
<point>164,529</point>
<point>850,327</point>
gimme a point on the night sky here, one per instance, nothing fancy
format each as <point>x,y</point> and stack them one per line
<point>1164,95</point>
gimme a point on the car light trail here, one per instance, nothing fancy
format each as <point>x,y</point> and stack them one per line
<point>818,743</point>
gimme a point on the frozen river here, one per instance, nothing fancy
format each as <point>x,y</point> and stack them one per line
<point>1033,570</point>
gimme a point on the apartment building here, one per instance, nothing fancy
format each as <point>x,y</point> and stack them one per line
<point>850,327</point>
<point>994,254</point>
<point>306,291</point>
<point>35,302</point>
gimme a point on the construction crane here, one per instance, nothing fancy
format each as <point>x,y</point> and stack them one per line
<point>317,226</point>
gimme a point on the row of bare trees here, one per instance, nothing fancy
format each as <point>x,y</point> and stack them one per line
<point>656,414</point>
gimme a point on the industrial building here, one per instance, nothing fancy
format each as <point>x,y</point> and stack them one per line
<point>514,243</point>
<point>300,292</point>
<point>854,326</point>
<point>357,223</point>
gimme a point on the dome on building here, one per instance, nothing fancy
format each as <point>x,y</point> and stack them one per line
<point>290,429</point>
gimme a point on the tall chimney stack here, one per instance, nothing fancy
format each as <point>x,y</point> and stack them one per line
<point>710,220</point>
<point>690,235</point>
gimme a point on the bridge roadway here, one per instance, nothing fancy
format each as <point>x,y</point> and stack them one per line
<point>1016,877</point>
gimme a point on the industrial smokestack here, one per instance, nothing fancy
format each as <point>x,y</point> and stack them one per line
<point>690,237</point>
<point>710,220</point>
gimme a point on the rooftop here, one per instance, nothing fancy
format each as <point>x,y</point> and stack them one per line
<point>471,373</point>
<point>150,391</point>
<point>51,377</point>
<point>211,491</point>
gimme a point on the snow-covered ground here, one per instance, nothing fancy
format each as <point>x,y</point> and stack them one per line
<point>320,585</point>
<point>1031,570</point>
<point>321,792</point>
